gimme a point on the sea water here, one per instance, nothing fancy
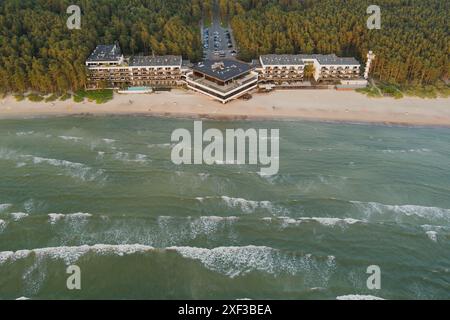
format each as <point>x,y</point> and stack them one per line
<point>102,193</point>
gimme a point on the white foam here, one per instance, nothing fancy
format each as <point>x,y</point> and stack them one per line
<point>358,297</point>
<point>432,235</point>
<point>29,205</point>
<point>23,298</point>
<point>179,229</point>
<point>249,206</point>
<point>162,145</point>
<point>76,170</point>
<point>428,227</point>
<point>237,261</point>
<point>333,221</point>
<point>141,158</point>
<point>55,217</point>
<point>431,213</point>
<point>24,133</point>
<point>329,222</point>
<point>71,254</point>
<point>232,261</point>
<point>5,206</point>
<point>108,141</point>
<point>421,150</point>
<point>69,138</point>
<point>126,157</point>
<point>2,225</point>
<point>208,225</point>
<point>16,216</point>
<point>246,206</point>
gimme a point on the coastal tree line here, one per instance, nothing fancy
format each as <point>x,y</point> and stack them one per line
<point>38,52</point>
<point>413,44</point>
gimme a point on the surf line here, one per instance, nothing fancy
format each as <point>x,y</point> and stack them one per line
<point>230,148</point>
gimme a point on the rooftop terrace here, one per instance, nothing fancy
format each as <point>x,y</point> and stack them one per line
<point>156,61</point>
<point>223,70</point>
<point>106,53</point>
<point>298,59</point>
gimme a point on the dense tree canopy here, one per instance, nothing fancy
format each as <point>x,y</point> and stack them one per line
<point>37,51</point>
<point>413,43</point>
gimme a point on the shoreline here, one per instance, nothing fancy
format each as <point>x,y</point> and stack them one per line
<point>281,105</point>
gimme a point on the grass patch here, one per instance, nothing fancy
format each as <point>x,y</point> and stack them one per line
<point>19,97</point>
<point>390,90</point>
<point>52,98</point>
<point>440,89</point>
<point>35,97</point>
<point>370,91</point>
<point>65,96</point>
<point>99,96</point>
<point>77,98</point>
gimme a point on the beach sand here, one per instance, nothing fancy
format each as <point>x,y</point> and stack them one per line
<point>318,105</point>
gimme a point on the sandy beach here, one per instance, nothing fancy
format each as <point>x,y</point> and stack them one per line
<point>318,105</point>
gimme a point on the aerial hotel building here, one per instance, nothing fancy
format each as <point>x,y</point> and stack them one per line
<point>222,80</point>
<point>291,68</point>
<point>108,68</point>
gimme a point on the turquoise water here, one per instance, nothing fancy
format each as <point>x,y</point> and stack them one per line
<point>102,193</point>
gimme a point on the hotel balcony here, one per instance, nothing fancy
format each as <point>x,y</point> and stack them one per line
<point>223,93</point>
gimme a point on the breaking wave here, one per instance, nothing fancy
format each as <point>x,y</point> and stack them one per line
<point>71,254</point>
<point>249,206</point>
<point>16,216</point>
<point>429,213</point>
<point>329,222</point>
<point>358,297</point>
<point>229,261</point>
<point>126,157</point>
<point>24,133</point>
<point>55,217</point>
<point>162,145</point>
<point>68,138</point>
<point>432,235</point>
<point>237,261</point>
<point>74,169</point>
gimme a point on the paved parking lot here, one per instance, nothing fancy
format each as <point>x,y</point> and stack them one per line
<point>218,42</point>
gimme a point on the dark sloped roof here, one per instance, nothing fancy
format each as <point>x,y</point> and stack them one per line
<point>223,70</point>
<point>156,61</point>
<point>106,53</point>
